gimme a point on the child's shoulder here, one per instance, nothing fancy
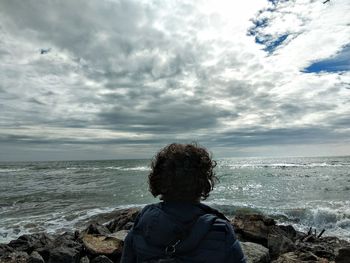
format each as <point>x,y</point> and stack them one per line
<point>149,209</point>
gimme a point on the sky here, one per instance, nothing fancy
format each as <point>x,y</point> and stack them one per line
<point>119,79</point>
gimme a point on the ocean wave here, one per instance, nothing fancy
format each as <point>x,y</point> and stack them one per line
<point>335,220</point>
<point>121,168</point>
<point>94,168</point>
<point>8,170</point>
<point>138,168</point>
<point>322,216</point>
<point>12,228</point>
<point>283,165</point>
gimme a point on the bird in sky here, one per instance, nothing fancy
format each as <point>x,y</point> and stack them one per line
<point>45,51</point>
<point>326,1</point>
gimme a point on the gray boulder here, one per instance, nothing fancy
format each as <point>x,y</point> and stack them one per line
<point>123,220</point>
<point>64,254</point>
<point>29,243</point>
<point>65,248</point>
<point>279,244</point>
<point>255,253</point>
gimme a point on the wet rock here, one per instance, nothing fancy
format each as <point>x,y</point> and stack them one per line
<point>101,259</point>
<point>123,219</point>
<point>255,253</point>
<point>102,245</point>
<point>15,257</point>
<point>35,257</point>
<point>343,255</point>
<point>28,243</point>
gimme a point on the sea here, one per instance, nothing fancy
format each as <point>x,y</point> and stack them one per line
<point>60,196</point>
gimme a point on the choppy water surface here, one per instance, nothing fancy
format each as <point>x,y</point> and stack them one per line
<point>55,196</point>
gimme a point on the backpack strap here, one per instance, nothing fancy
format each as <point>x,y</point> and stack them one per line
<point>197,233</point>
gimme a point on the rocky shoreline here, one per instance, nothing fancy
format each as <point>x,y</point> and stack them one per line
<point>102,239</point>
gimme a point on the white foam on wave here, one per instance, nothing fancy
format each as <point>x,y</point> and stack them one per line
<point>7,170</point>
<point>121,168</point>
<point>52,223</point>
<point>334,218</point>
<point>113,167</point>
<point>282,165</point>
<point>138,168</point>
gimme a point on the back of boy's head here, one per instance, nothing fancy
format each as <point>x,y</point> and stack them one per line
<point>182,172</point>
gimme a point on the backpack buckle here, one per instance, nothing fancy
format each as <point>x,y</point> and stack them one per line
<point>171,249</point>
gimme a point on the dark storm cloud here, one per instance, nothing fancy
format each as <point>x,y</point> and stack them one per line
<point>341,122</point>
<point>164,116</point>
<point>293,111</point>
<point>39,140</point>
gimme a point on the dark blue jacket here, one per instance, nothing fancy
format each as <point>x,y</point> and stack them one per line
<point>189,232</point>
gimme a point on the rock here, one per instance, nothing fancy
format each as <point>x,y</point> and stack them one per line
<point>299,257</point>
<point>96,228</point>
<point>255,253</point>
<point>343,255</point>
<point>84,260</point>
<point>5,250</point>
<point>128,225</point>
<point>65,248</point>
<point>122,219</point>
<point>101,259</point>
<point>102,245</point>
<point>107,217</point>
<point>289,231</point>
<point>35,257</point>
<point>120,235</point>
<point>279,244</point>
<point>325,247</point>
<point>28,243</point>
<point>15,257</point>
<point>253,227</point>
<point>263,230</point>
<point>64,254</point>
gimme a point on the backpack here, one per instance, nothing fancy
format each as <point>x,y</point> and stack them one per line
<point>175,250</point>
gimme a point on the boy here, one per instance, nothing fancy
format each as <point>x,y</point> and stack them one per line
<point>180,228</point>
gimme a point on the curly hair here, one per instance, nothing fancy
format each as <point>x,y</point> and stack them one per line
<point>182,172</point>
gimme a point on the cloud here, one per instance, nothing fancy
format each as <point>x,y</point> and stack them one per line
<point>125,73</point>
